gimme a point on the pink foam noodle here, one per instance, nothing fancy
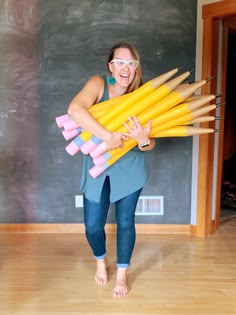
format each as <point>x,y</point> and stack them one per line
<point>99,160</point>
<point>88,146</point>
<point>72,148</point>
<point>100,149</point>
<point>69,124</point>
<point>69,134</point>
<point>61,119</point>
<point>102,159</point>
<point>97,170</point>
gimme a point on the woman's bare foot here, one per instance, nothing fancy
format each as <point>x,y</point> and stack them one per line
<point>121,288</point>
<point>101,275</point>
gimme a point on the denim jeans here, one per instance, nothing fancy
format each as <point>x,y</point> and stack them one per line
<point>95,216</point>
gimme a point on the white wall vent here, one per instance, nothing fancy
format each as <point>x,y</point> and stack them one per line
<point>150,205</point>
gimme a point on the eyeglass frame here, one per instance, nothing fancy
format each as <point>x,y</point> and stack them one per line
<point>126,62</point>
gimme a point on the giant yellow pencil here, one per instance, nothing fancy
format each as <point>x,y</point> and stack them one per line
<point>183,131</point>
<point>201,120</point>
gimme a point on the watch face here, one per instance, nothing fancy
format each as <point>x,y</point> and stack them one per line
<point>145,144</point>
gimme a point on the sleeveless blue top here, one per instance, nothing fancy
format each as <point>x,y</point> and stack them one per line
<point>127,175</point>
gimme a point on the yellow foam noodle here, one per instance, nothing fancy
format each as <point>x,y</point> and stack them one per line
<point>121,153</point>
<point>182,131</point>
<point>202,119</point>
<point>103,106</point>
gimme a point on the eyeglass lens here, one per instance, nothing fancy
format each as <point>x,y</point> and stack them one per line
<point>132,64</point>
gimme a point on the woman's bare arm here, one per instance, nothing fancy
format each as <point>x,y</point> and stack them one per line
<point>78,111</point>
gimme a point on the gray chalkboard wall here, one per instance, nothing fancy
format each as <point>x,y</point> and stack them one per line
<point>48,49</point>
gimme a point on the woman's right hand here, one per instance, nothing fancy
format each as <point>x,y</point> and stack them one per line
<point>114,140</point>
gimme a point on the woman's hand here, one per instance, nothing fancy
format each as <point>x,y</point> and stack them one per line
<point>136,131</point>
<point>140,133</point>
<point>115,140</point>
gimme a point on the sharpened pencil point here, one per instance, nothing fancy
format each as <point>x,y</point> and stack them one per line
<point>209,79</point>
<point>220,104</point>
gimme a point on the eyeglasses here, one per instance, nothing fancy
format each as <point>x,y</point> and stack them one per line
<point>119,63</point>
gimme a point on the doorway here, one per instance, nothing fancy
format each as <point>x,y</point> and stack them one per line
<point>210,155</point>
<point>228,187</point>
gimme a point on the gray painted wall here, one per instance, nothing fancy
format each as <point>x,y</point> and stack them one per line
<point>48,49</point>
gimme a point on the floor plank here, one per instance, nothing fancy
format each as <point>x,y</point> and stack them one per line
<point>53,274</point>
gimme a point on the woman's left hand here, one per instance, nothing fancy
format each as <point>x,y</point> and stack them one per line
<point>137,131</point>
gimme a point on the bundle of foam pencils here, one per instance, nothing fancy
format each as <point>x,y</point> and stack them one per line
<point>170,104</point>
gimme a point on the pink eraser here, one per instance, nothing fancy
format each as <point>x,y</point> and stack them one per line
<point>99,149</point>
<point>88,146</point>
<point>61,119</point>
<point>72,148</point>
<point>69,124</point>
<point>69,134</point>
<point>95,171</point>
<point>99,160</point>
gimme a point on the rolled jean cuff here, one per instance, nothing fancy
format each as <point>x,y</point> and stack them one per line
<point>100,257</point>
<point>123,265</point>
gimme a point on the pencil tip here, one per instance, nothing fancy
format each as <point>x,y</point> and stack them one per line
<point>220,104</point>
<point>210,78</point>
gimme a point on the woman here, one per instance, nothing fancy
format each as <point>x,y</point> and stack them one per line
<point>122,182</point>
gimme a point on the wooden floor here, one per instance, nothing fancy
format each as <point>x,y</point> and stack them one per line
<point>44,274</point>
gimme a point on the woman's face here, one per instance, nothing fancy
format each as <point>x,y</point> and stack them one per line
<point>123,67</point>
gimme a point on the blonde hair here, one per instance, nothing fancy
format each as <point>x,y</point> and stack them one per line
<point>137,81</point>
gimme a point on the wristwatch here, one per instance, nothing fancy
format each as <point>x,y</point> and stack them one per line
<point>143,145</point>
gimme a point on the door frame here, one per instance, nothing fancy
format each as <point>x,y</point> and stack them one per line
<point>212,14</point>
